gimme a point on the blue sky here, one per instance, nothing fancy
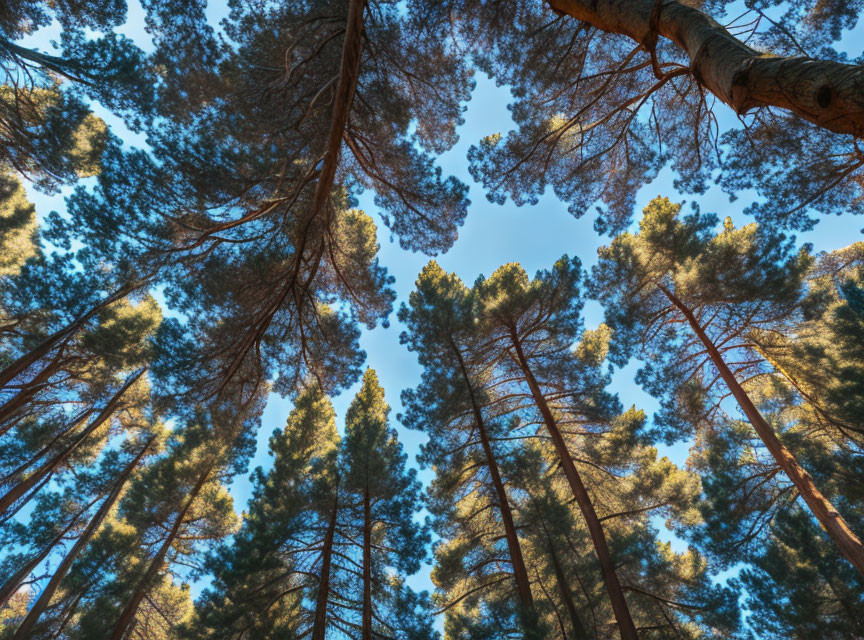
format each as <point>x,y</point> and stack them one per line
<point>492,235</point>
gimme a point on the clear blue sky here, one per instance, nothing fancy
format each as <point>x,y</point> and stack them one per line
<point>492,235</point>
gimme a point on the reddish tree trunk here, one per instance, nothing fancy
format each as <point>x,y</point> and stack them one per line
<point>319,627</point>
<point>26,626</point>
<point>20,399</point>
<point>579,631</point>
<point>43,348</point>
<point>598,537</point>
<point>71,426</point>
<point>18,491</point>
<point>520,573</point>
<point>367,567</point>
<point>832,522</point>
<point>13,583</point>
<point>127,616</point>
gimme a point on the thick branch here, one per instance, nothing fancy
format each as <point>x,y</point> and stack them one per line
<point>828,94</point>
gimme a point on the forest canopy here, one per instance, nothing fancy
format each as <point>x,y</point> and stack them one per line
<point>658,434</point>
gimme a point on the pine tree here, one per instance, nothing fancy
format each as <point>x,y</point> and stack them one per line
<point>382,497</point>
<point>329,536</point>
<point>530,322</point>
<point>170,513</point>
<point>753,515</point>
<point>477,592</point>
<point>49,132</point>
<point>449,406</point>
<point>689,296</point>
<point>245,205</point>
<point>117,484</point>
<point>66,412</point>
<point>819,353</point>
<point>261,579</point>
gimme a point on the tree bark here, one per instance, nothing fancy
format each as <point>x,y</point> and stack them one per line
<point>346,86</point>
<point>34,355</point>
<point>127,616</point>
<point>51,466</point>
<point>319,627</point>
<point>828,94</point>
<point>832,522</point>
<point>367,567</point>
<point>616,595</point>
<point>26,626</point>
<point>520,573</point>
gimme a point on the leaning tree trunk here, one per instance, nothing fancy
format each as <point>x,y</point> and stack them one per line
<point>342,100</point>
<point>26,626</point>
<point>68,429</point>
<point>24,395</point>
<point>828,94</point>
<point>60,336</point>
<point>520,573</point>
<point>48,468</point>
<point>832,522</point>
<point>319,626</point>
<point>127,616</point>
<point>15,581</point>
<point>580,493</point>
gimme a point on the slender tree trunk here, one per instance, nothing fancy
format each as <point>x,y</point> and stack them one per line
<point>832,522</point>
<point>26,627</point>
<point>319,628</point>
<point>69,614</point>
<point>127,616</point>
<point>18,491</point>
<point>14,582</point>
<point>598,537</point>
<point>72,425</point>
<point>43,348</point>
<point>828,94</point>
<point>579,631</point>
<point>367,566</point>
<point>8,409</point>
<point>520,573</point>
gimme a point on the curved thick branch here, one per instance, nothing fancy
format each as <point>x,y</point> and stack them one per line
<point>828,94</point>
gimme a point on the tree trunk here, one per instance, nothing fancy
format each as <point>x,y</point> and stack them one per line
<point>319,628</point>
<point>520,573</point>
<point>127,616</point>
<point>71,426</point>
<point>34,355</point>
<point>14,582</point>
<point>8,409</point>
<point>579,631</point>
<point>832,522</point>
<point>367,566</point>
<point>346,86</point>
<point>828,94</point>
<point>598,537</point>
<point>26,627</point>
<point>342,100</point>
<point>18,491</point>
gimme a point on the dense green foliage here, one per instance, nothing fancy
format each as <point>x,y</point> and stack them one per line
<point>144,327</point>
